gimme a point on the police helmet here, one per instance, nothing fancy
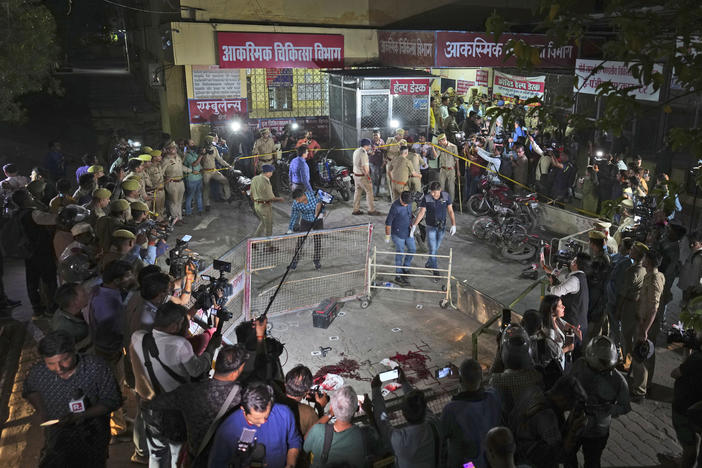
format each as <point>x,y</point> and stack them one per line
<point>601,354</point>
<point>76,268</point>
<point>71,215</point>
<point>515,348</point>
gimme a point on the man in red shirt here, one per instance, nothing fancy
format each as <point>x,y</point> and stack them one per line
<point>311,143</point>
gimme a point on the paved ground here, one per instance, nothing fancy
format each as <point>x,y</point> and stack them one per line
<point>365,336</point>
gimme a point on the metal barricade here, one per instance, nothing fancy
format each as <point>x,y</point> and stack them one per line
<point>380,269</point>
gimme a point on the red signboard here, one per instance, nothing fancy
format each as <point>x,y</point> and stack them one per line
<point>406,48</point>
<point>265,50</point>
<point>481,77</point>
<point>211,110</point>
<point>410,86</point>
<point>465,49</point>
<point>462,86</point>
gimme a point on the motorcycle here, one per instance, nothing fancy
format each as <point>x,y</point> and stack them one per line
<point>493,195</point>
<point>333,177</point>
<point>506,232</point>
<point>240,186</point>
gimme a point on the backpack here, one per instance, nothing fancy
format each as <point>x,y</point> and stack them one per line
<point>14,241</point>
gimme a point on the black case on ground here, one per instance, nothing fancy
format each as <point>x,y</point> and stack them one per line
<point>325,313</point>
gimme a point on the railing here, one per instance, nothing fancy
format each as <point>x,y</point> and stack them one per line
<point>485,327</point>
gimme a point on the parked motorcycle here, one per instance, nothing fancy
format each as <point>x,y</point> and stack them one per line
<point>240,186</point>
<point>505,232</point>
<point>493,195</point>
<point>333,177</point>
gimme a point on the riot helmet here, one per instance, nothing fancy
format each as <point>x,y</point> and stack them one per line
<point>515,348</point>
<point>601,354</point>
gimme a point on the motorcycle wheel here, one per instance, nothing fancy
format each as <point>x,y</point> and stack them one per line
<point>482,227</point>
<point>525,252</point>
<point>345,195</point>
<point>477,205</point>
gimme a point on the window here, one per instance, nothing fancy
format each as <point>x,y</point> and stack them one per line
<point>280,98</point>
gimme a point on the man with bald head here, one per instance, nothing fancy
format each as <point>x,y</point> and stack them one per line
<point>500,448</point>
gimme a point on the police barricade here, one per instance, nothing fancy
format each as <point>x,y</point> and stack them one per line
<point>342,254</point>
<point>377,270</point>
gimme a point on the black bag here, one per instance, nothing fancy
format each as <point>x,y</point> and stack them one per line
<point>170,423</point>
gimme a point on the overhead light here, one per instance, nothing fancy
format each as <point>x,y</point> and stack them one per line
<point>235,125</point>
<point>394,123</point>
<point>294,126</point>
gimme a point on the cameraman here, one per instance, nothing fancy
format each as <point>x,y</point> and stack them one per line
<point>574,292</point>
<point>162,361</point>
<point>686,392</point>
<point>204,404</point>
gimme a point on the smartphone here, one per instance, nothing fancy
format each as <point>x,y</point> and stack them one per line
<point>389,375</point>
<point>186,238</point>
<point>468,465</point>
<point>247,435</point>
<point>444,372</point>
<point>569,339</point>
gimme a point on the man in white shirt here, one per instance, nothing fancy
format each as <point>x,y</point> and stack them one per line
<point>12,181</point>
<point>169,362</point>
<point>573,291</point>
<point>492,162</point>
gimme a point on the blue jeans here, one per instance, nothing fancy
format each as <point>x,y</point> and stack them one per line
<point>400,245</point>
<point>193,188</point>
<point>434,238</point>
<point>471,186</point>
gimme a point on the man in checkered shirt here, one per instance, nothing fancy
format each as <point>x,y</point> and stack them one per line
<point>306,206</point>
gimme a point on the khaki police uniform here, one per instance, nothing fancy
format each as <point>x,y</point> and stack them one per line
<point>362,181</point>
<point>649,302</point>
<point>265,147</point>
<point>415,182</point>
<point>210,173</point>
<point>629,292</point>
<point>173,171</point>
<point>400,170</point>
<point>104,227</point>
<point>448,165</point>
<point>139,178</point>
<point>262,195</point>
<point>153,177</point>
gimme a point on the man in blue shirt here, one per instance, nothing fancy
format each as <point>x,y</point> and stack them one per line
<point>306,206</point>
<point>300,171</point>
<point>435,205</point>
<point>397,227</point>
<point>263,422</point>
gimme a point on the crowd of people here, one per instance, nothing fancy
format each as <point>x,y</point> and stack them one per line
<point>121,326</point>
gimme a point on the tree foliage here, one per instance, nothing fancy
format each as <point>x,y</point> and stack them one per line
<point>28,54</point>
<point>640,32</point>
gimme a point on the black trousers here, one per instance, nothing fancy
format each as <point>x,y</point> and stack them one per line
<point>304,226</point>
<point>3,297</point>
<point>40,272</point>
<point>592,452</point>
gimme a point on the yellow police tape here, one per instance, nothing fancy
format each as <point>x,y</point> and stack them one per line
<point>469,162</point>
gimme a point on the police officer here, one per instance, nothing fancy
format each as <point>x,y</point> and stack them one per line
<point>392,150</point>
<point>130,190</point>
<point>264,150</point>
<point>436,205</point>
<point>415,181</point>
<point>154,182</point>
<point>401,169</point>
<point>100,201</point>
<point>607,397</point>
<point>626,221</point>
<point>263,197</point>
<point>448,164</point>
<point>611,245</point>
<point>628,294</point>
<point>362,179</point>
<point>210,156</point>
<point>173,171</point>
<point>106,225</point>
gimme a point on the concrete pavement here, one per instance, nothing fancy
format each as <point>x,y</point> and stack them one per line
<point>367,336</point>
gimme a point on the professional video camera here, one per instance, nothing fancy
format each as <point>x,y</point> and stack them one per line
<point>686,336</point>
<point>160,230</point>
<point>566,255</point>
<point>180,256</point>
<point>216,291</point>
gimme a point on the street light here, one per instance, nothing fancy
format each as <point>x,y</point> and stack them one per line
<point>394,123</point>
<point>235,125</point>
<point>294,126</point>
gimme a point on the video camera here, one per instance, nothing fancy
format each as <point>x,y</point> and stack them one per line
<point>566,255</point>
<point>180,256</point>
<point>249,452</point>
<point>216,291</point>
<point>160,230</point>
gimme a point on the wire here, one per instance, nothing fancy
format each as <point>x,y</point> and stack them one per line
<point>140,9</point>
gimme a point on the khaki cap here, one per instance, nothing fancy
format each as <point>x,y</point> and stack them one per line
<point>144,157</point>
<point>400,131</point>
<point>155,153</point>
<point>627,203</point>
<point>147,149</point>
<point>139,206</point>
<point>603,224</point>
<point>101,193</point>
<point>641,245</point>
<point>596,235</point>
<point>123,234</point>
<point>453,109</point>
<point>441,136</point>
<point>119,205</point>
<point>96,168</point>
<point>130,185</point>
